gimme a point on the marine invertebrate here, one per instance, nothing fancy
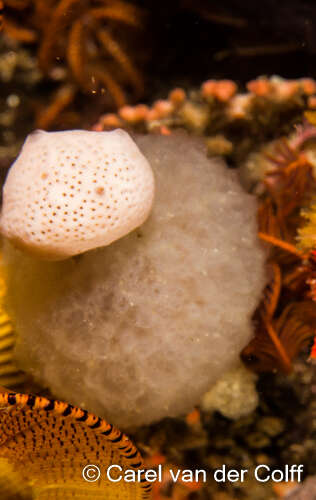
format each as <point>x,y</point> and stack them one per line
<point>312,356</point>
<point>10,375</point>
<point>286,317</point>
<point>288,181</point>
<point>153,319</point>
<point>72,191</point>
<point>218,108</point>
<point>307,233</point>
<point>19,32</point>
<point>82,47</point>
<point>284,179</point>
<point>216,98</point>
<point>48,444</point>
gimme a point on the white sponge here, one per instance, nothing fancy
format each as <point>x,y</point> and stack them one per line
<point>141,329</point>
<point>69,192</point>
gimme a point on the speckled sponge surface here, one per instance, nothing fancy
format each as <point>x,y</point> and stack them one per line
<point>71,191</point>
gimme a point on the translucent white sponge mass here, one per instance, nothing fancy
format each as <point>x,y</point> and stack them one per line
<point>140,329</point>
<point>69,192</point>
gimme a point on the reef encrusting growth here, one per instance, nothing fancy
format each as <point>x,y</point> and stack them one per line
<point>233,123</point>
<point>142,328</point>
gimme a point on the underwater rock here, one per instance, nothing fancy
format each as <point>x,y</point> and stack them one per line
<point>141,329</point>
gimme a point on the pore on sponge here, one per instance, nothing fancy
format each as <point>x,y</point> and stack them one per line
<point>141,329</point>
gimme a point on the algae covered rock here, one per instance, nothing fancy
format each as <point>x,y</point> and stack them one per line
<point>141,329</point>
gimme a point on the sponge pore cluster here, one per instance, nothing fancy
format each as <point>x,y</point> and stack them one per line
<point>141,329</point>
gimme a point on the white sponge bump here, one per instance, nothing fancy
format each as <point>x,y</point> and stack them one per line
<point>71,191</point>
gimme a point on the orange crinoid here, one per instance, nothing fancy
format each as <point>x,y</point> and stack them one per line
<point>81,43</point>
<point>286,318</point>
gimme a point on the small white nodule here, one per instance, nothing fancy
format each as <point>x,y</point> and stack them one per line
<point>69,192</point>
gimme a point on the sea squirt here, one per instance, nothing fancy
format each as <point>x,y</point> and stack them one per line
<point>142,328</point>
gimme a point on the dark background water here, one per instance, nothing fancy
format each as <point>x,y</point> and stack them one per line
<point>193,40</point>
